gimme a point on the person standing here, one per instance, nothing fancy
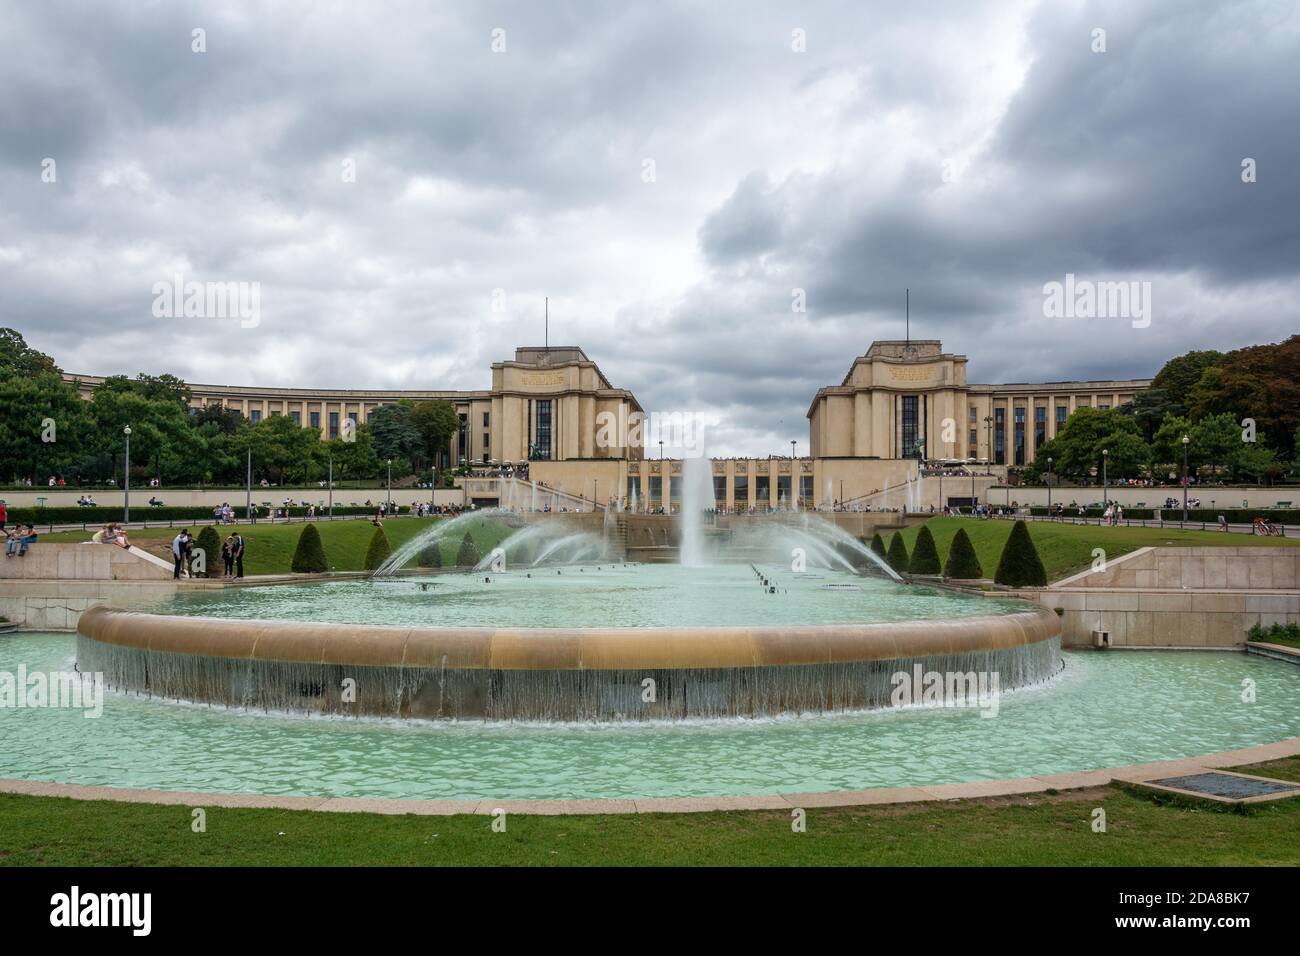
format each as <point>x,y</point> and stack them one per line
<point>237,552</point>
<point>228,556</point>
<point>4,514</point>
<point>178,554</point>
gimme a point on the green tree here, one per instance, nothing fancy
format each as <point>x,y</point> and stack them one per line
<point>925,556</point>
<point>467,555</point>
<point>1020,566</point>
<point>1149,408</point>
<point>210,544</point>
<point>430,555</point>
<point>436,421</point>
<point>378,551</point>
<point>1253,460</point>
<point>393,433</point>
<point>17,358</point>
<point>1217,439</point>
<point>1167,447</point>
<point>897,555</point>
<point>963,563</point>
<point>309,556</point>
<point>878,545</point>
<point>1179,375</point>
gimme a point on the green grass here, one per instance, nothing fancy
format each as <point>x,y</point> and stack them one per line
<point>1067,548</point>
<point>1040,829</point>
<point>269,547</point>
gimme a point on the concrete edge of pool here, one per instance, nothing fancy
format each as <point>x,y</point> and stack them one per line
<point>567,674</point>
<point>975,789</point>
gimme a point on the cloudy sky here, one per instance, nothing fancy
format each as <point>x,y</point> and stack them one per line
<point>668,173</point>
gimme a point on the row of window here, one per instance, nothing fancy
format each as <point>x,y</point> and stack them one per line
<point>762,488</point>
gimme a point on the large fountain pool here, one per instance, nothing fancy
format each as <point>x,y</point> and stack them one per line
<point>597,595</point>
<point>1102,710</point>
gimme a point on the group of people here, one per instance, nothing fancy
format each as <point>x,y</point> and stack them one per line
<point>111,533</point>
<point>18,539</point>
<point>232,555</point>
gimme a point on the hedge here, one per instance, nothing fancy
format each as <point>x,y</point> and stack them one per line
<point>1020,565</point>
<point>100,514</point>
<point>309,556</point>
<point>963,563</point>
<point>1207,515</point>
<point>925,556</point>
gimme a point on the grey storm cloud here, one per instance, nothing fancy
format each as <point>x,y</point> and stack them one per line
<point>969,152</point>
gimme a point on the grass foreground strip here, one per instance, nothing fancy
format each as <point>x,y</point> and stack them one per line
<point>1031,830</point>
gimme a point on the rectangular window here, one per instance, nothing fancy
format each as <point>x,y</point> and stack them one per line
<point>1020,436</point>
<point>297,417</point>
<point>910,421</point>
<point>741,484</point>
<point>275,414</point>
<point>255,416</point>
<point>314,418</point>
<point>972,414</point>
<point>656,490</point>
<point>485,419</point>
<point>1103,408</point>
<point>974,442</point>
<point>543,444</point>
<point>486,444</point>
<point>762,489</point>
<point>1040,426</point>
<point>1061,413</point>
<point>334,425</point>
<point>1000,436</point>
<point>462,438</point>
<point>719,491</point>
<point>634,489</point>
<point>806,489</point>
<point>783,489</point>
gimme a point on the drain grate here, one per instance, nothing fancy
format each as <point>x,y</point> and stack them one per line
<point>1228,786</point>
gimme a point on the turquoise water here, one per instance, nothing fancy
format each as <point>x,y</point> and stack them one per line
<point>1103,710</point>
<point>596,595</point>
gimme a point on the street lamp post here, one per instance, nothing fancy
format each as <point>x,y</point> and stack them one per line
<point>1186,441</point>
<point>330,481</point>
<point>388,500</point>
<point>988,439</point>
<point>1048,479</point>
<point>1105,483</point>
<point>794,478</point>
<point>126,478</point>
<point>595,493</point>
<point>661,449</point>
<point>248,486</point>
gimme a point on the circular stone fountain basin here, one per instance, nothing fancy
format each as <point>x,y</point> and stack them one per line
<point>317,649</point>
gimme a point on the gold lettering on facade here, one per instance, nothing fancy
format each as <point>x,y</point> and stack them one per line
<point>543,378</point>
<point>905,374</point>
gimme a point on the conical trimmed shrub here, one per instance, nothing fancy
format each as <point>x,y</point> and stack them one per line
<point>378,551</point>
<point>897,556</point>
<point>210,544</point>
<point>1020,566</point>
<point>309,556</point>
<point>963,563</point>
<point>468,555</point>
<point>878,544</point>
<point>430,555</point>
<point>925,556</point>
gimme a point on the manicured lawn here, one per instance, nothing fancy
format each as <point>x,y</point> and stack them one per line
<point>269,547</point>
<point>1067,548</point>
<point>1051,830</point>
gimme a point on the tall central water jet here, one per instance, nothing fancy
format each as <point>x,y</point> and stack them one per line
<point>697,497</point>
